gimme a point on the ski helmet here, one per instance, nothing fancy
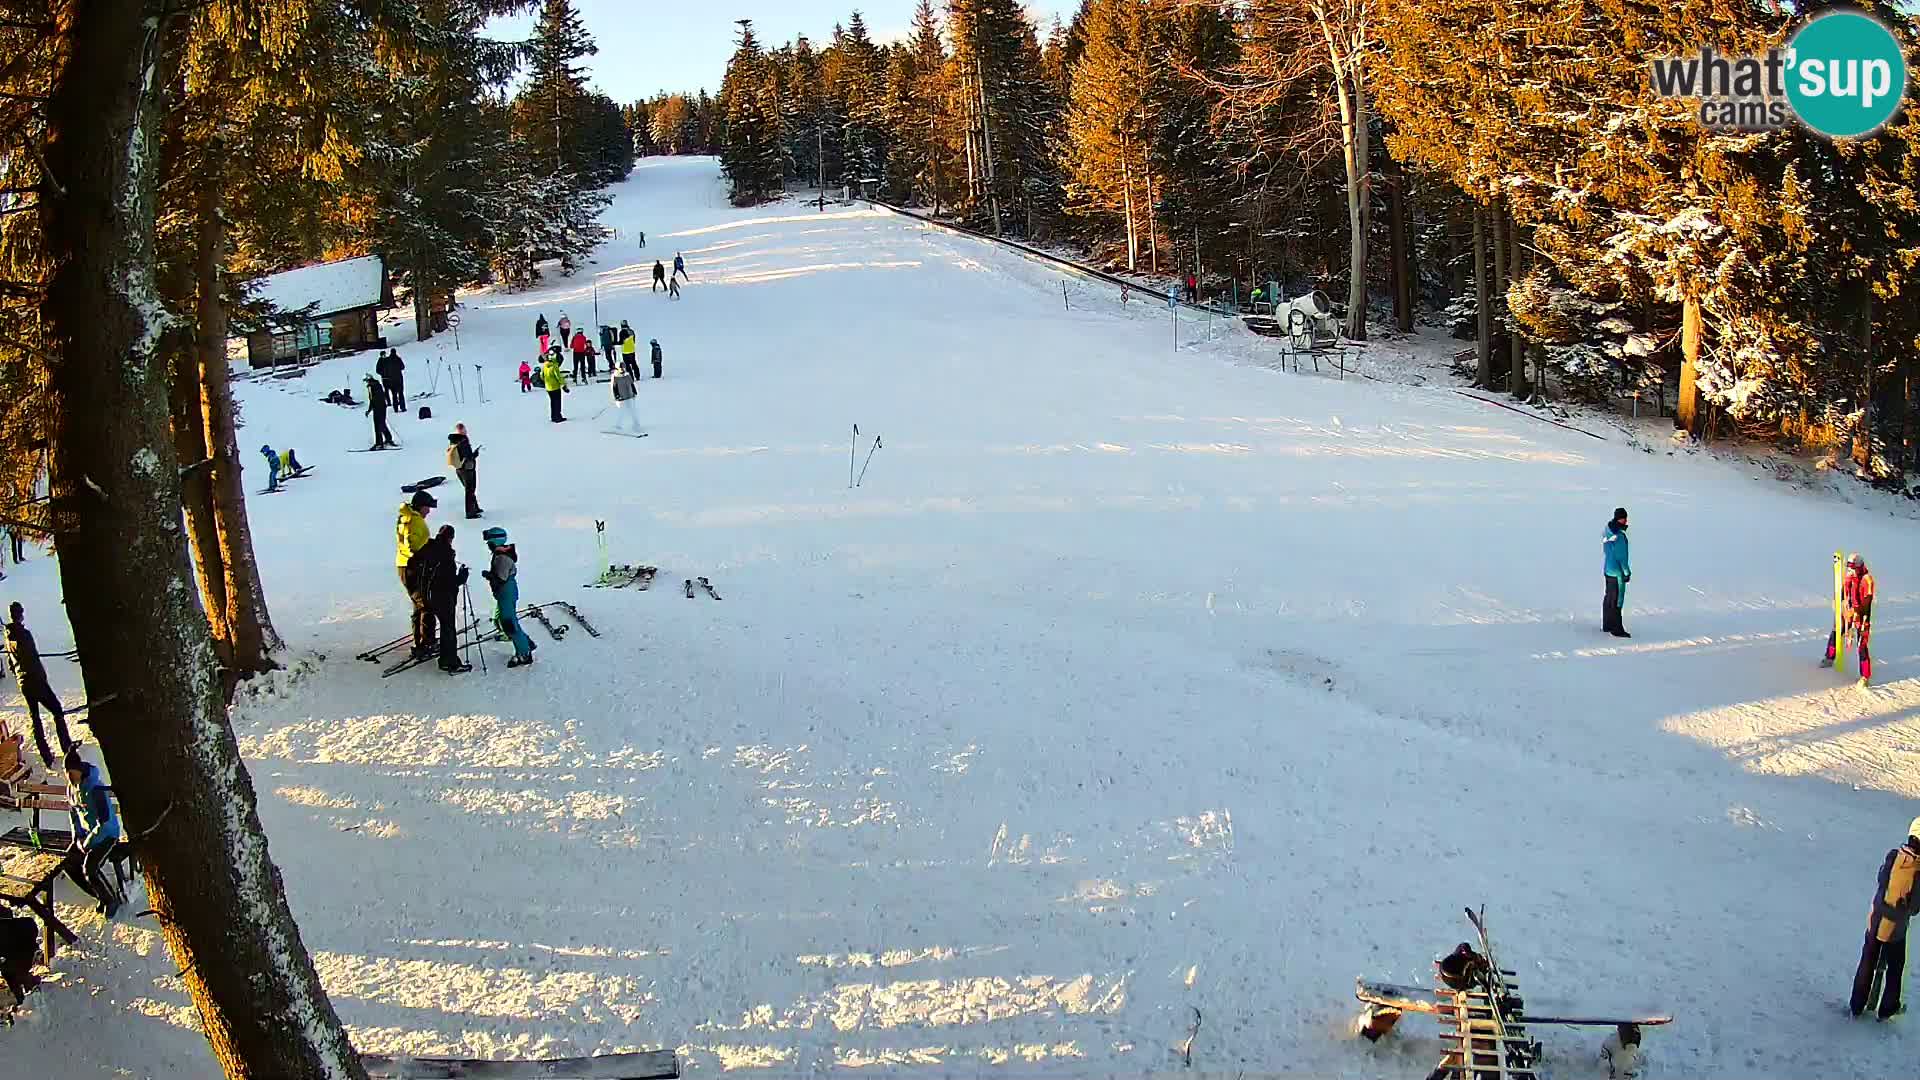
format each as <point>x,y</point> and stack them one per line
<point>1913,828</point>
<point>265,449</point>
<point>1854,560</point>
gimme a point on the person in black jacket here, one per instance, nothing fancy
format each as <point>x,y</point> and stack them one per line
<point>1895,895</point>
<point>442,577</point>
<point>377,408</point>
<point>540,326</point>
<point>24,655</point>
<point>464,460</point>
<point>391,369</point>
<point>659,276</point>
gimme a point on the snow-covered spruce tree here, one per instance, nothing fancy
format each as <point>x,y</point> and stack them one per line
<point>432,169</point>
<point>552,112</point>
<point>115,510</point>
<point>752,155</point>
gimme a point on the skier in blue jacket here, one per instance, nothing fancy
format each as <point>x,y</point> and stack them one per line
<point>1619,571</point>
<point>96,829</point>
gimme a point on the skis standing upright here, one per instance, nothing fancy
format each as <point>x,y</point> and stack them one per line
<point>1839,612</point>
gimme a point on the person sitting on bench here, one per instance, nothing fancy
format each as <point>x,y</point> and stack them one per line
<point>96,829</point>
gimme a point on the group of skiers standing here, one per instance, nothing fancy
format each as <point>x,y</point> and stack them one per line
<point>433,579</point>
<point>586,366</point>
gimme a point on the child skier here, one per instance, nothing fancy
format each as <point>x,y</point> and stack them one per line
<point>1856,607</point>
<point>526,377</point>
<point>277,464</point>
<point>655,342</point>
<point>1885,951</point>
<point>673,288</point>
<point>503,576</point>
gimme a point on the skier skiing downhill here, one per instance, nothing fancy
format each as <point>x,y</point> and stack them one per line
<point>623,395</point>
<point>502,576</point>
<point>1885,950</point>
<point>1856,605</point>
<point>680,267</point>
<point>1619,571</point>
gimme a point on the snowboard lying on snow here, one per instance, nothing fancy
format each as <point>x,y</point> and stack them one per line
<point>422,485</point>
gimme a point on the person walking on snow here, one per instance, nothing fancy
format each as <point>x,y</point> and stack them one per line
<point>1856,606</point>
<point>410,534</point>
<point>1619,570</point>
<point>659,276</point>
<point>526,377</point>
<point>502,575</point>
<point>392,372</point>
<point>1885,951</point>
<point>377,408</point>
<point>24,656</point>
<point>673,288</point>
<point>623,395</point>
<point>555,381</point>
<point>96,829</point>
<point>441,578</point>
<point>540,330</point>
<point>657,359</point>
<point>680,267</point>
<point>628,342</point>
<point>643,239</point>
<point>565,327</point>
<point>464,460</point>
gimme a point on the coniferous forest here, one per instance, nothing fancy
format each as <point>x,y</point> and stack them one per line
<point>1503,170</point>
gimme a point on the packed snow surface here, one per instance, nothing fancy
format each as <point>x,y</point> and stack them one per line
<point>1129,683</point>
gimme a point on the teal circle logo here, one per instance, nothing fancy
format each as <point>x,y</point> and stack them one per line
<point>1846,74</point>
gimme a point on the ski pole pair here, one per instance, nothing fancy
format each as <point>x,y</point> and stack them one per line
<point>853,450</point>
<point>466,594</point>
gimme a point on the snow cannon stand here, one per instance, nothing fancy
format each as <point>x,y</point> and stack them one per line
<point>1486,1023</point>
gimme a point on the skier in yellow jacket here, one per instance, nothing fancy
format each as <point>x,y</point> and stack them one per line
<point>410,535</point>
<point>555,381</point>
<point>1885,951</point>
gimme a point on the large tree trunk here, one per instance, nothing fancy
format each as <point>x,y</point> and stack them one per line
<point>1483,336</point>
<point>115,485</point>
<point>249,628</point>
<point>1516,342</point>
<point>1397,250</point>
<point>1353,137</point>
<point>196,492</point>
<point>1686,411</point>
<point>1126,205</point>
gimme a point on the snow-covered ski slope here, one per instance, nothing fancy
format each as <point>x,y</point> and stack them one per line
<point>1130,682</point>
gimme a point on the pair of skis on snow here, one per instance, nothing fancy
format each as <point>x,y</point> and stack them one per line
<point>536,612</point>
<point>305,472</point>
<point>702,583</point>
<point>622,576</point>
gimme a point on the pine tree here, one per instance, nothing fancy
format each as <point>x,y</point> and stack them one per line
<point>752,157</point>
<point>555,106</point>
<point>1110,120</point>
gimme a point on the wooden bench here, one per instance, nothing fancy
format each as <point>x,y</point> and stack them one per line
<point>37,799</point>
<point>26,878</point>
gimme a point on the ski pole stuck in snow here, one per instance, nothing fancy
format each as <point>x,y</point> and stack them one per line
<point>869,461</point>
<point>852,449</point>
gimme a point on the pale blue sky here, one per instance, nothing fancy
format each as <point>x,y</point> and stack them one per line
<point>684,44</point>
